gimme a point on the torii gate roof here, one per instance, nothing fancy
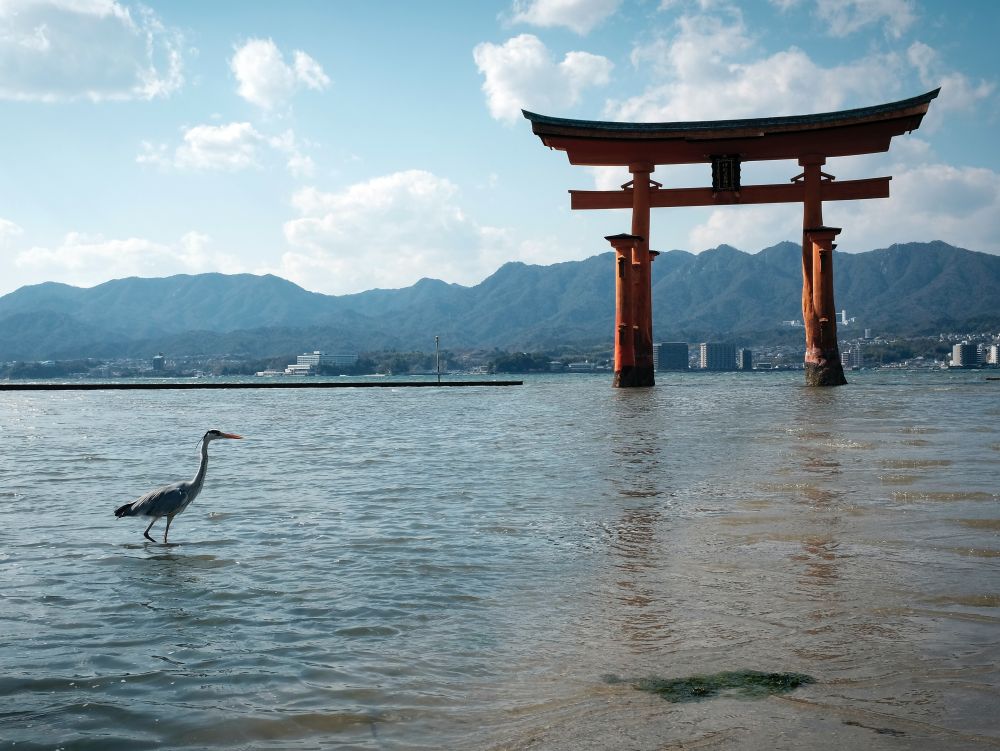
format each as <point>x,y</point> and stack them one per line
<point>865,130</point>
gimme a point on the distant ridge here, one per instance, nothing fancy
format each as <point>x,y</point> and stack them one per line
<point>719,293</point>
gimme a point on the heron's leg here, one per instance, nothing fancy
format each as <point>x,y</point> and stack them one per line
<point>146,533</point>
<point>169,519</point>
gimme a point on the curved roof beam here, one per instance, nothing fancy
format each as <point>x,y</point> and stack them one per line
<point>864,130</point>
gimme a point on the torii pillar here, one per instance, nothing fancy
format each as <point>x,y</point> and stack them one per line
<point>819,312</point>
<point>633,311</point>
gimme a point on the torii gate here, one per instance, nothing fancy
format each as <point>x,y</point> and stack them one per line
<point>725,144</point>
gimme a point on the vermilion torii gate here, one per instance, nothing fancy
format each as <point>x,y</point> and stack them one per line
<point>725,144</point>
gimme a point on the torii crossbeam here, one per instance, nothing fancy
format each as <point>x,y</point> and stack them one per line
<point>725,144</point>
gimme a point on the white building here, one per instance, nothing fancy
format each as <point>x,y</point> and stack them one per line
<point>310,362</point>
<point>321,358</point>
<point>852,359</point>
<point>744,359</point>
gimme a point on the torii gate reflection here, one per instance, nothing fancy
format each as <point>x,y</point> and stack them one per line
<point>725,144</point>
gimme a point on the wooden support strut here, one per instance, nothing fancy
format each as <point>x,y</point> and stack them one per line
<point>625,308</point>
<point>846,190</point>
<point>642,321</point>
<point>819,312</point>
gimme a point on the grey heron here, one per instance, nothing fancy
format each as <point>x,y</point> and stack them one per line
<point>171,500</point>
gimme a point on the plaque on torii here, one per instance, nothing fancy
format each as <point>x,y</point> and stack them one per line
<point>725,145</point>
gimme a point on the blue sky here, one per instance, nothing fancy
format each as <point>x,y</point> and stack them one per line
<point>348,145</point>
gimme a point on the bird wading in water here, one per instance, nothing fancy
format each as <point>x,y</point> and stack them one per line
<point>170,500</point>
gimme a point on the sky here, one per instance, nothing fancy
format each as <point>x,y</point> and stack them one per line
<point>348,146</point>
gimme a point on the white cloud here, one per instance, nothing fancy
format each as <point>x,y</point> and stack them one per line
<point>231,147</point>
<point>65,50</point>
<point>579,15</point>
<point>8,231</point>
<point>300,165</point>
<point>705,70</point>
<point>609,178</point>
<point>266,80</point>
<point>309,72</point>
<point>957,91</point>
<point>86,260</point>
<point>389,231</point>
<point>844,17</point>
<point>521,73</point>
<point>709,66</point>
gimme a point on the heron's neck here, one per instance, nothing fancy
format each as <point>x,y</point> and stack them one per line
<point>203,467</point>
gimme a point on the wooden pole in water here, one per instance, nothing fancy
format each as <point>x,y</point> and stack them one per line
<point>819,313</point>
<point>625,308</point>
<point>642,374</point>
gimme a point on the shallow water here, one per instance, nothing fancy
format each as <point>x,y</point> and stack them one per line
<point>476,568</point>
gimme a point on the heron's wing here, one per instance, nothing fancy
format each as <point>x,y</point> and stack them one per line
<point>163,501</point>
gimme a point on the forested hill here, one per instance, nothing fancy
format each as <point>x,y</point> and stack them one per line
<point>720,293</point>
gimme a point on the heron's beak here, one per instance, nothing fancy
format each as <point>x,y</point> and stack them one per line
<point>231,435</point>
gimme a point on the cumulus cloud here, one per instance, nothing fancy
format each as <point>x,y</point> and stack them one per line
<point>522,73</point>
<point>231,147</point>
<point>266,80</point>
<point>389,231</point>
<point>579,15</point>
<point>706,70</point>
<point>86,260</point>
<point>66,50</point>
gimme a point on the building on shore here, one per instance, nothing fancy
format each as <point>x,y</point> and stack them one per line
<point>717,356</point>
<point>853,358</point>
<point>310,362</point>
<point>965,355</point>
<point>744,359</point>
<point>670,356</point>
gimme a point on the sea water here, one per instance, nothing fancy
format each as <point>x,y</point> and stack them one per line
<point>402,568</point>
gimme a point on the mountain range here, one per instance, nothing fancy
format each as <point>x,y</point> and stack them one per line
<point>720,294</point>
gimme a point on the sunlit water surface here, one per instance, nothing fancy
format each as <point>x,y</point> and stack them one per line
<point>488,567</point>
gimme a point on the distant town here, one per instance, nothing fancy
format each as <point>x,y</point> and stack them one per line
<point>943,351</point>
